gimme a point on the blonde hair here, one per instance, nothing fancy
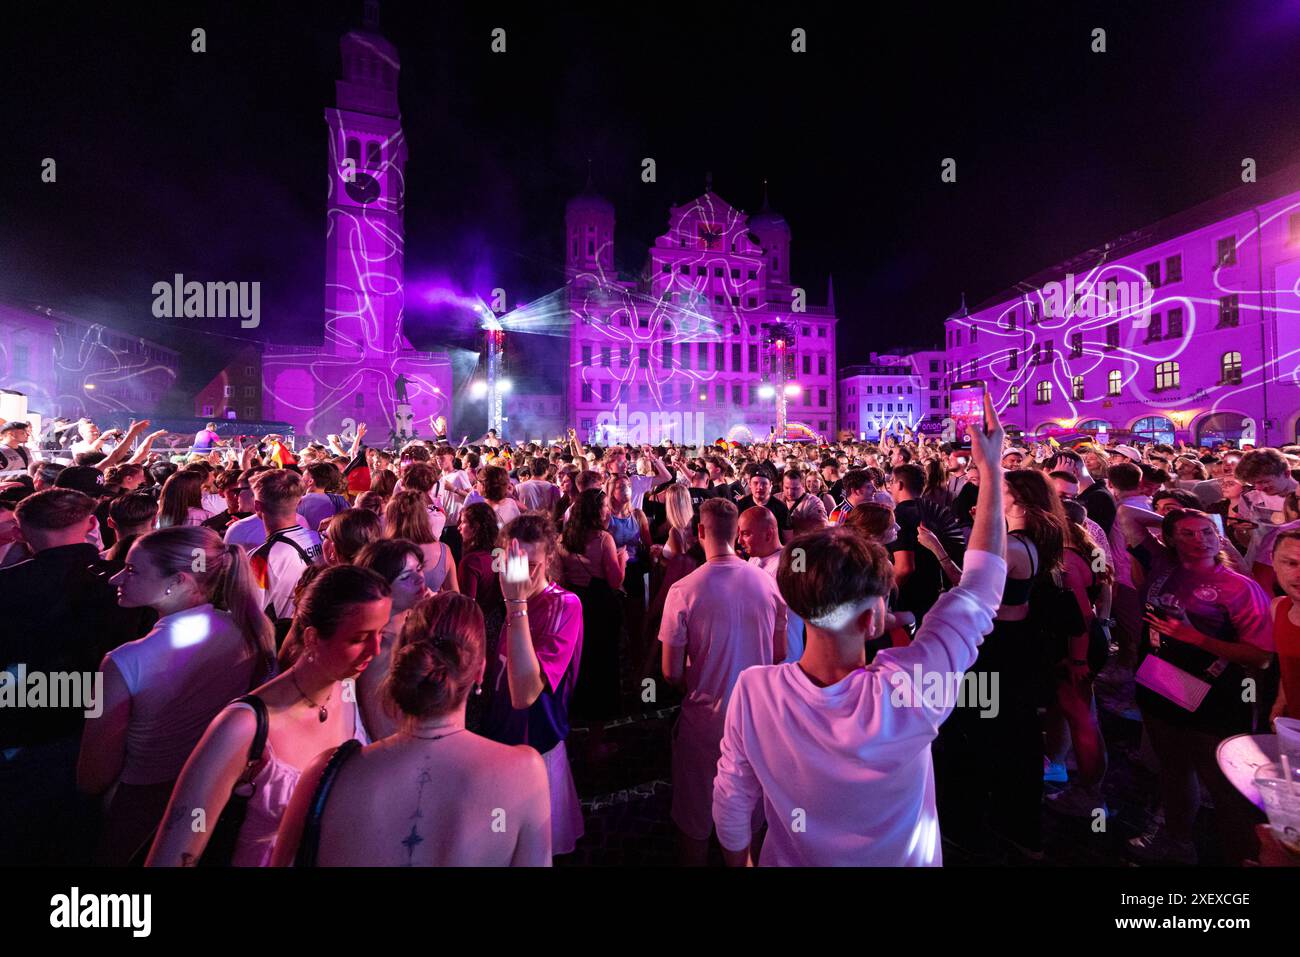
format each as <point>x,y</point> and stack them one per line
<point>222,575</point>
<point>681,513</point>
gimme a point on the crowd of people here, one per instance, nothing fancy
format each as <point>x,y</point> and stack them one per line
<point>374,656</point>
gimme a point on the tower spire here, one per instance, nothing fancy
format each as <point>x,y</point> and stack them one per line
<point>764,208</point>
<point>708,182</point>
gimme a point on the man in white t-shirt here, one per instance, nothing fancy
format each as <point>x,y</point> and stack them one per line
<point>761,540</point>
<point>719,620</point>
<point>278,562</point>
<point>454,485</point>
<point>534,492</point>
<point>838,751</point>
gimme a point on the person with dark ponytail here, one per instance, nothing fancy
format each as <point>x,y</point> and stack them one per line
<point>308,708</point>
<point>989,763</point>
<point>435,794</point>
<point>211,644</point>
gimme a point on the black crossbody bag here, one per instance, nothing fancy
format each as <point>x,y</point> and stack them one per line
<point>221,846</point>
<point>309,844</point>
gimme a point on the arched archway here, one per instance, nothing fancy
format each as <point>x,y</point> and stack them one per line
<point>1092,425</point>
<point>1153,428</point>
<point>1219,427</point>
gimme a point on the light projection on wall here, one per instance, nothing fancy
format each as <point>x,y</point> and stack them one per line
<point>1117,337</point>
<point>365,352</point>
<point>101,372</point>
<point>658,344</point>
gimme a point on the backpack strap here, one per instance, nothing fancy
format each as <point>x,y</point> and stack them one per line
<point>257,749</point>
<point>309,844</point>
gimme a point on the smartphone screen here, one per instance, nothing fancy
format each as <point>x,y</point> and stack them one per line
<point>967,407</point>
<point>1218,522</point>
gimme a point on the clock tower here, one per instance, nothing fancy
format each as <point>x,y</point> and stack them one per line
<point>365,369</point>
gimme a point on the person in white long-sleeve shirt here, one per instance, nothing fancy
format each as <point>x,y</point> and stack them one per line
<point>839,751</point>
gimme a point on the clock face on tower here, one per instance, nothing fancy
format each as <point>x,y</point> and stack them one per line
<point>363,189</point>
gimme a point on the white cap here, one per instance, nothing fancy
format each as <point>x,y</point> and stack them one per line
<point>1129,451</point>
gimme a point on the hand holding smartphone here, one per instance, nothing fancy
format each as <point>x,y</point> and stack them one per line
<point>967,409</point>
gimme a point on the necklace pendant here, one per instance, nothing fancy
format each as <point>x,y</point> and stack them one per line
<point>323,714</point>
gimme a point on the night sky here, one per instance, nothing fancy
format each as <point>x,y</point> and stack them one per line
<point>213,165</point>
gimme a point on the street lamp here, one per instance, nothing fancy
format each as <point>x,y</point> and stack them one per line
<point>766,391</point>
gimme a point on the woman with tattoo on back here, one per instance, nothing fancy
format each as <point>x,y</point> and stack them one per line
<point>311,707</point>
<point>434,794</point>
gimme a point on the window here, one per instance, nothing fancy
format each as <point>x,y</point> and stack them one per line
<point>870,389</point>
<point>249,391</point>
<point>667,267</point>
<point>1014,398</point>
<point>207,409</point>
<point>1174,324</point>
<point>735,357</point>
<point>1033,313</point>
<point>735,393</point>
<point>1076,387</point>
<point>958,334</point>
<point>643,356</point>
<point>666,356</point>
<point>624,356</point>
<point>1011,319</point>
<point>1231,369</point>
<point>1112,336</point>
<point>1114,382</point>
<point>1227,251</point>
<point>719,357</point>
<point>751,302</point>
<point>586,355</point>
<point>604,356</point>
<point>586,392</point>
<point>1153,327</point>
<point>1167,376</point>
<point>1294,223</point>
<point>934,383</point>
<point>1044,393</point>
<point>821,365</point>
<point>821,332</point>
<point>604,392</point>
<point>1228,315</point>
<point>1076,345</point>
<point>974,334</point>
<point>934,402</point>
<point>807,365</point>
<point>753,358</point>
<point>821,398</point>
<point>934,367</point>
<point>1173,269</point>
<point>735,273</point>
<point>643,392</point>
<point>250,370</point>
<point>229,391</point>
<point>717,272</point>
<point>1153,274</point>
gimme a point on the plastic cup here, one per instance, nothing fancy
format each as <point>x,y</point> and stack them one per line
<point>1288,738</point>
<point>1281,803</point>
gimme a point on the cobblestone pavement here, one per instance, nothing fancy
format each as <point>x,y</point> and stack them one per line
<point>626,794</point>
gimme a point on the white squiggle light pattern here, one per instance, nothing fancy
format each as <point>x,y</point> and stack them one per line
<point>365,306</point>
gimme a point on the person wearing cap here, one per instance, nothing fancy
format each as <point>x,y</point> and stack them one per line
<point>14,457</point>
<point>1013,458</point>
<point>1130,453</point>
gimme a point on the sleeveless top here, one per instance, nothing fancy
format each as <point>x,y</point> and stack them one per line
<point>433,577</point>
<point>274,786</point>
<point>180,676</point>
<point>626,532</point>
<point>1016,590</point>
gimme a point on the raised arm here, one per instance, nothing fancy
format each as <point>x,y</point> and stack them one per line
<point>523,670</point>
<point>123,447</point>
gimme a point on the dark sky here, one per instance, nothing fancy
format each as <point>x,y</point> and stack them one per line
<point>214,164</point>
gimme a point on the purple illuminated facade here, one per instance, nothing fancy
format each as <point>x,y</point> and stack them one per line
<point>692,350</point>
<point>1187,329</point>
<point>365,370</point>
